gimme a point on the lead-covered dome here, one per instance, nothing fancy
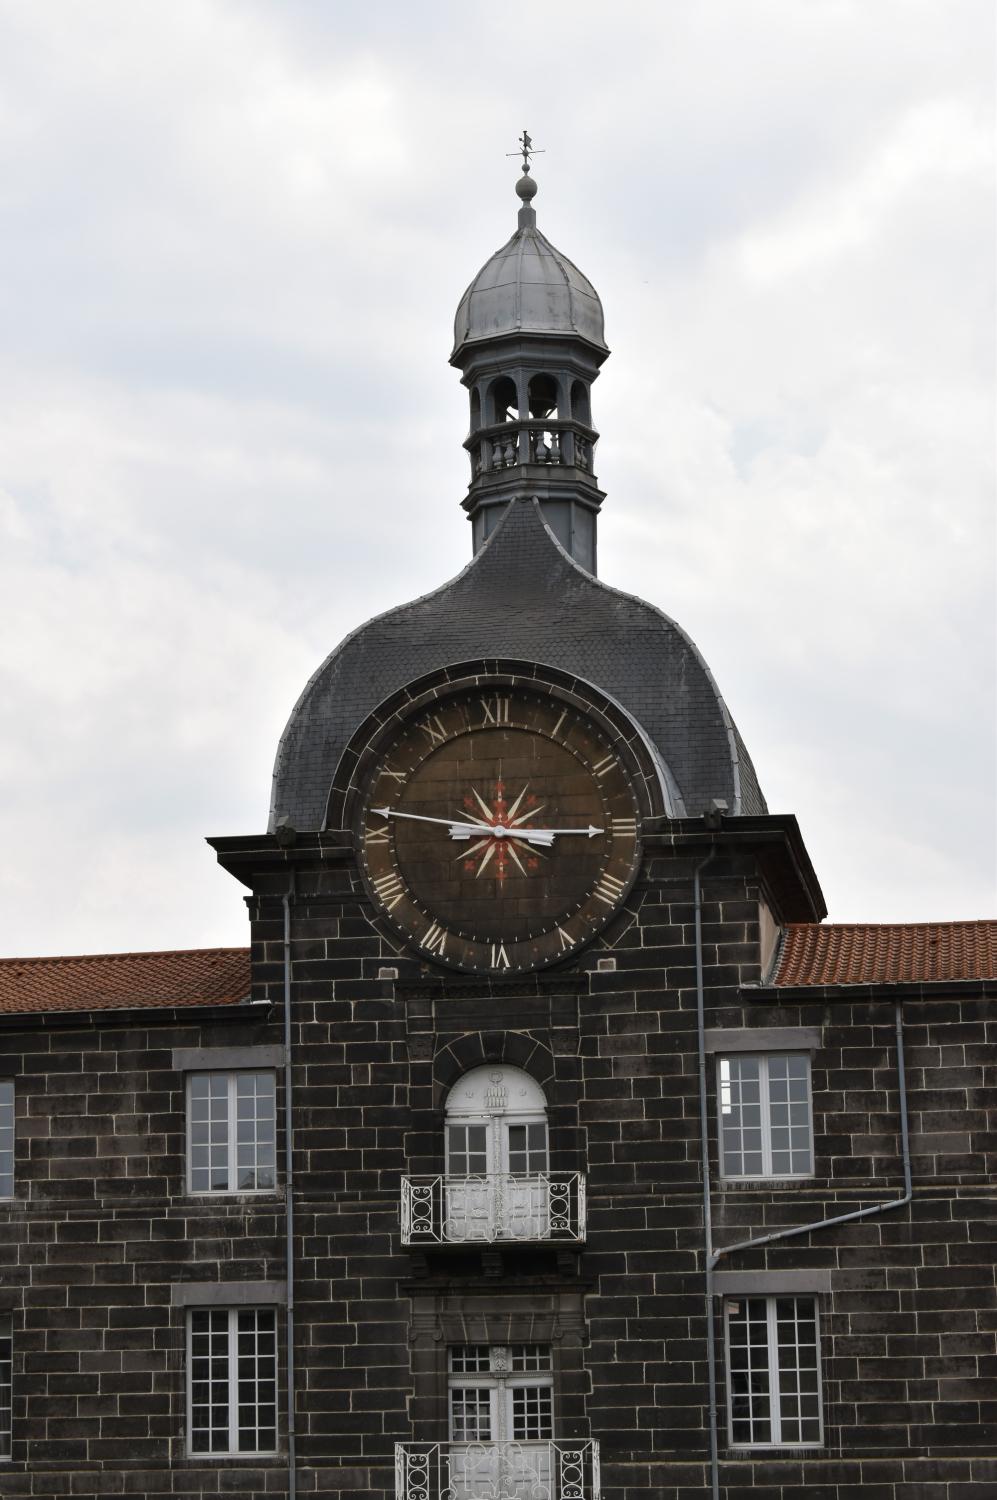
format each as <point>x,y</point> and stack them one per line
<point>529,287</point>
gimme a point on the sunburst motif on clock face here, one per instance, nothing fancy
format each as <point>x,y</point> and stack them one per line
<point>499,829</point>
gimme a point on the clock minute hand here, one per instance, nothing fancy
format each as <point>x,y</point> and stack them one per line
<point>457,829</point>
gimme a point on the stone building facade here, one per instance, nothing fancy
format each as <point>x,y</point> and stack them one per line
<point>520,1156</point>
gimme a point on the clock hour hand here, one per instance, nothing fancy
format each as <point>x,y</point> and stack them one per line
<point>548,835</point>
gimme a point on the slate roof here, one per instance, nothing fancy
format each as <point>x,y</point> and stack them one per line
<point>522,597</point>
<point>529,287</point>
<point>892,953</point>
<point>124,981</point>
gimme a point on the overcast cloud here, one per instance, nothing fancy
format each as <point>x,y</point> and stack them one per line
<point>233,234</point>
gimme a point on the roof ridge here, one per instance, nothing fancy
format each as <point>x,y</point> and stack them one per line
<point>890,926</point>
<point>76,958</point>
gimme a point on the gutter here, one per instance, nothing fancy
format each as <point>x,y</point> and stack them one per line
<point>859,1213</point>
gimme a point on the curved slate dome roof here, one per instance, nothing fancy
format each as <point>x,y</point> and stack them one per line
<point>529,287</point>
<point>523,597</point>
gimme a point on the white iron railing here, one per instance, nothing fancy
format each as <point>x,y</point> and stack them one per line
<point>494,1208</point>
<point>497,1471</point>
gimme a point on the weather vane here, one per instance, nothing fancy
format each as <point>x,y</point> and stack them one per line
<point>527,149</point>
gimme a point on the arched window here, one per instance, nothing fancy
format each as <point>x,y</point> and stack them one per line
<point>475,411</point>
<point>504,400</point>
<point>496,1157</point>
<point>543,396</point>
<point>581,406</point>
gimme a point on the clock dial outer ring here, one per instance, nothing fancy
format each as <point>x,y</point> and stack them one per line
<point>595,730</point>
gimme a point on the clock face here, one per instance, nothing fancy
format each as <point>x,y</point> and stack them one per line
<point>499,830</point>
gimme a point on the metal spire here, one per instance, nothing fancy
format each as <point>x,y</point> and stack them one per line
<point>526,187</point>
<point>526,150</point>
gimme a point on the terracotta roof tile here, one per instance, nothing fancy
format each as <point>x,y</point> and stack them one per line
<point>892,953</point>
<point>121,981</point>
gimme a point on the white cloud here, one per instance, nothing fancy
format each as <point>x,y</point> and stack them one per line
<point>233,236</point>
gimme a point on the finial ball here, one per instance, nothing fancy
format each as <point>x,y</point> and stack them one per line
<point>526,187</point>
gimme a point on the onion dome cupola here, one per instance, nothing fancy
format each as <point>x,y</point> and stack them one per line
<point>528,341</point>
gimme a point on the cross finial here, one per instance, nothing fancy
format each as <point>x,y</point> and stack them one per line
<point>526,149</point>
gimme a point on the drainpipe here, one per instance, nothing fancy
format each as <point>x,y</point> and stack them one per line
<point>289,1196</point>
<point>714,1257</point>
<point>858,1213</point>
<point>704,1148</point>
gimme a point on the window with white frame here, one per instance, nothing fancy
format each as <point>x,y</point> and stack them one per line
<point>231,1132</point>
<point>501,1393</point>
<point>6,1138</point>
<point>773,1372</point>
<point>232,1380</point>
<point>6,1384</point>
<point>766,1127</point>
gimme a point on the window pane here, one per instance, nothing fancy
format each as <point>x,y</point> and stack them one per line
<point>6,1138</point>
<point>468,1150</point>
<point>740,1117</point>
<point>470,1359</point>
<point>530,1357</point>
<point>208,1373</point>
<point>470,1414</point>
<point>789,1112</point>
<point>531,1412</point>
<point>208,1138</point>
<point>796,1322</point>
<point>747,1354</point>
<point>256,1143</point>
<point>256,1331</point>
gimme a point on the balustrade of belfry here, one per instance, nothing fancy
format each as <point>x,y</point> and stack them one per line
<point>563,444</point>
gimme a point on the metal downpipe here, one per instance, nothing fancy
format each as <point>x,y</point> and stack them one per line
<point>858,1213</point>
<point>292,1477</point>
<point>704,1147</point>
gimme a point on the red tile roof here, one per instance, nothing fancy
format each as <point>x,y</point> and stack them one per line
<point>121,981</point>
<point>893,953</point>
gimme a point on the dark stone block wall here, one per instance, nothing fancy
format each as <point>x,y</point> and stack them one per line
<point>102,1230</point>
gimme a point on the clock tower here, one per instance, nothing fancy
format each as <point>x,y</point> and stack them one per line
<point>479,912</point>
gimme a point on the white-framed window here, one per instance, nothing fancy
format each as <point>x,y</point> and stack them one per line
<point>773,1372</point>
<point>6,1384</point>
<point>496,1157</point>
<point>231,1132</point>
<point>501,1393</point>
<point>766,1126</point>
<point>6,1138</point>
<point>232,1380</point>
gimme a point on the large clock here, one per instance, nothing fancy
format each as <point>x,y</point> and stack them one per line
<point>498,825</point>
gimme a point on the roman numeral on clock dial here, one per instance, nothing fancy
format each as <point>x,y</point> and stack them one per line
<point>434,939</point>
<point>623,828</point>
<point>390,890</point>
<point>608,889</point>
<point>500,959</point>
<point>495,710</point>
<point>435,728</point>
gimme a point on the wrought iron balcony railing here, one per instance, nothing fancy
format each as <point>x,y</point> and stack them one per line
<point>497,1208</point>
<point>546,1470</point>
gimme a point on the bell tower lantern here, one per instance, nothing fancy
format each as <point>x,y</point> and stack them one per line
<point>529,341</point>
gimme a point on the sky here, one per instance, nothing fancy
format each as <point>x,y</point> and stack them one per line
<point>233,234</point>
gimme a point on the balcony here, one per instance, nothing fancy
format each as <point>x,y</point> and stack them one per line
<point>545,1470</point>
<point>494,1209</point>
